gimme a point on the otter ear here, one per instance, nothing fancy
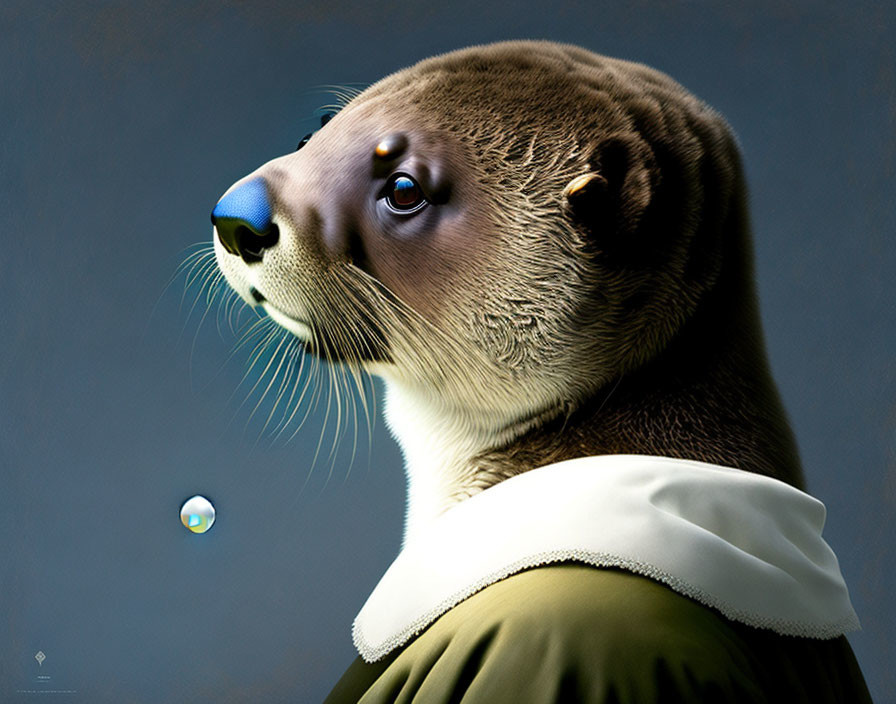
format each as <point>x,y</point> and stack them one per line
<point>611,199</point>
<point>585,195</point>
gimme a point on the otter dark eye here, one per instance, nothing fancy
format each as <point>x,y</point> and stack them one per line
<point>304,140</point>
<point>404,195</point>
<point>324,119</point>
<point>405,192</point>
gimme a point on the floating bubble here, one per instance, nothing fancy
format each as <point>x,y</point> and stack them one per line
<point>197,514</point>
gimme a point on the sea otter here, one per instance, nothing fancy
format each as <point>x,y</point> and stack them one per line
<point>545,254</point>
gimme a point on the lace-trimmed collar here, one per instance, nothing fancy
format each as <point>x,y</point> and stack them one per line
<point>746,545</point>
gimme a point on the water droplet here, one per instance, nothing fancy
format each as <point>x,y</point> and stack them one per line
<point>197,514</point>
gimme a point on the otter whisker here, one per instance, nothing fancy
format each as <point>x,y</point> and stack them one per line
<point>396,314</point>
<point>291,353</point>
<point>209,277</point>
<point>203,264</point>
<point>209,282</point>
<point>272,332</point>
<point>285,358</point>
<point>228,306</point>
<point>235,313</point>
<point>344,401</point>
<point>216,279</point>
<point>207,270</point>
<point>215,284</point>
<point>269,333</point>
<point>334,107</point>
<point>204,249</point>
<point>313,401</point>
<point>292,379</point>
<point>279,350</point>
<point>308,379</point>
<point>323,429</point>
<point>256,327</point>
<point>283,336</point>
<point>352,342</point>
<point>334,395</point>
<point>344,342</point>
<point>344,93</point>
<point>357,373</point>
<point>259,327</point>
<point>314,375</point>
<point>202,267</point>
<point>227,297</point>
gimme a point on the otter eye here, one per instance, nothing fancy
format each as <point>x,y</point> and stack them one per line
<point>304,140</point>
<point>404,195</point>
<point>324,119</point>
<point>405,192</point>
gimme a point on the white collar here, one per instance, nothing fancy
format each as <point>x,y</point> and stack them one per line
<point>744,544</point>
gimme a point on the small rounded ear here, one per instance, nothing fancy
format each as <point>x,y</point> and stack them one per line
<point>611,199</point>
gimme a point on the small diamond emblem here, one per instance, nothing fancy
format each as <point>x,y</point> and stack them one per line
<point>40,657</point>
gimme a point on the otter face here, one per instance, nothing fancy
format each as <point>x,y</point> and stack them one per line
<point>443,231</point>
<point>371,238</point>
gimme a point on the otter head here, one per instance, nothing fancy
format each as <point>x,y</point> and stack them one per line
<point>498,232</point>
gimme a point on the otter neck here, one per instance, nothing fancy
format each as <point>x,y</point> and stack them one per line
<point>440,444</point>
<point>709,396</point>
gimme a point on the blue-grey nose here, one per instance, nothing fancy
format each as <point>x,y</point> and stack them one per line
<point>243,221</point>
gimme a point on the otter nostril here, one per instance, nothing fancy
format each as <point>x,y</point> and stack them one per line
<point>251,244</point>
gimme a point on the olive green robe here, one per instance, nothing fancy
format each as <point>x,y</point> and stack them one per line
<point>575,633</point>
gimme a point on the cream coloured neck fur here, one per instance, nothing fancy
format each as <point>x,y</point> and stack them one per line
<point>440,444</point>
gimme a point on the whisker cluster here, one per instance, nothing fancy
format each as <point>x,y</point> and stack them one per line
<point>355,320</point>
<point>342,93</point>
<point>281,382</point>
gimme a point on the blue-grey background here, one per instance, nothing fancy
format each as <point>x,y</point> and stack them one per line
<point>120,126</point>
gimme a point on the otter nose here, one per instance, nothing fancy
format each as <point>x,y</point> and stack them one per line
<point>243,221</point>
